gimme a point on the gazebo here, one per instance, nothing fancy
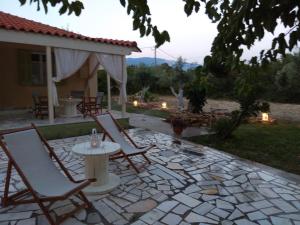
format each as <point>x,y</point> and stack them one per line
<point>39,57</point>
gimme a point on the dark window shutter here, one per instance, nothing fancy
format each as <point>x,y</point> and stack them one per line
<point>24,67</point>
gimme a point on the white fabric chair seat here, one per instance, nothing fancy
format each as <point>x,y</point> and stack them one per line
<point>109,125</point>
<point>31,156</point>
<point>129,149</point>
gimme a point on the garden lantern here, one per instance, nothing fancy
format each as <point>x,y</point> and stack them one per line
<point>265,117</point>
<point>164,105</point>
<point>135,103</point>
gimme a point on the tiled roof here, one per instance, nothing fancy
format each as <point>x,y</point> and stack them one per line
<point>11,22</point>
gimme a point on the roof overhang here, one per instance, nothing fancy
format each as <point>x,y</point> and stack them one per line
<point>21,37</point>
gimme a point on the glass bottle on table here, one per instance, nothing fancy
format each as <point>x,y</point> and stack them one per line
<point>95,140</point>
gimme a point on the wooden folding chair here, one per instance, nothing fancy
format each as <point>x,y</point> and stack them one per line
<point>40,105</point>
<point>89,106</point>
<point>100,96</point>
<point>114,131</point>
<point>31,156</point>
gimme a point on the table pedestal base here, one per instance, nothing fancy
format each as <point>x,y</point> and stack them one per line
<point>113,182</point>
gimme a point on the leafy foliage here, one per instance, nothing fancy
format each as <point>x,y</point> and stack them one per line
<point>140,77</point>
<point>222,126</point>
<point>73,6</point>
<point>157,78</point>
<point>180,79</point>
<point>197,98</point>
<point>150,97</point>
<point>102,83</point>
<point>165,75</point>
<point>280,81</point>
<point>196,94</point>
<point>287,78</point>
<point>180,76</point>
<point>247,93</point>
<point>240,23</point>
<point>142,20</point>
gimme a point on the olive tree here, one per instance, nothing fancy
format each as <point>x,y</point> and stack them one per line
<point>179,79</point>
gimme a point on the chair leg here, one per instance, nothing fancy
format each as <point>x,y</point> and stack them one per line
<point>87,202</point>
<point>143,154</point>
<point>131,163</point>
<point>67,215</point>
<point>45,211</point>
<point>5,200</point>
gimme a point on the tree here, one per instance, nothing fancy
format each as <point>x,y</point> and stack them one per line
<point>141,79</point>
<point>180,79</point>
<point>164,74</point>
<point>239,22</point>
<point>247,93</point>
<point>196,93</point>
<point>144,78</point>
<point>287,78</point>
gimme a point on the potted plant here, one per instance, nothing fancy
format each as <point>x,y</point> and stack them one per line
<point>178,125</point>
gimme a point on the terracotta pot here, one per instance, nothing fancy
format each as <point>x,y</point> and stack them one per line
<point>177,130</point>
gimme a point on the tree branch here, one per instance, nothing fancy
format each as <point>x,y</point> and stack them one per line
<point>173,92</point>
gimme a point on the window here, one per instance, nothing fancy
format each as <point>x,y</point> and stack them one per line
<point>38,65</point>
<point>32,68</point>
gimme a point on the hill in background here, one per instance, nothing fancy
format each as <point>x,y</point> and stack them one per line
<point>148,61</point>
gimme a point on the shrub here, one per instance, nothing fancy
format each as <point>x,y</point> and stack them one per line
<point>197,98</point>
<point>222,125</point>
<point>150,97</point>
<point>196,94</point>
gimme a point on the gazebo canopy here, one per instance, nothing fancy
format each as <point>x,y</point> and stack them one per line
<point>71,51</point>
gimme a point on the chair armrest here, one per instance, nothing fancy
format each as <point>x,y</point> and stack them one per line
<point>147,147</point>
<point>80,181</point>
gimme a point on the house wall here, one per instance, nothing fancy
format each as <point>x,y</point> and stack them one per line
<point>14,95</point>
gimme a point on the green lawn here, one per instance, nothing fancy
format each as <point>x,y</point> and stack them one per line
<point>276,145</point>
<point>73,129</point>
<point>149,112</point>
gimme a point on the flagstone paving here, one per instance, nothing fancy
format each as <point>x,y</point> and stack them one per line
<point>187,184</point>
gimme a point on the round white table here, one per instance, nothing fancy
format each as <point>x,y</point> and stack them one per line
<point>69,106</point>
<point>96,166</point>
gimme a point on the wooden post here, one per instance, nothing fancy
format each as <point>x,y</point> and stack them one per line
<point>123,99</point>
<point>123,109</point>
<point>108,92</point>
<point>49,85</point>
<point>93,85</point>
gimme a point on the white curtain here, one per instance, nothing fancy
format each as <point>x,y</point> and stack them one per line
<point>115,66</point>
<point>93,68</point>
<point>67,61</point>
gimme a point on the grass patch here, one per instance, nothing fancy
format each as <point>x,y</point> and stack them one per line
<point>150,112</point>
<point>73,129</point>
<point>276,145</point>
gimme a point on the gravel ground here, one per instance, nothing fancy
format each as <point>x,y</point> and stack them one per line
<point>288,112</point>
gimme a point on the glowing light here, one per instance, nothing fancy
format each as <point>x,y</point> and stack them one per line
<point>164,105</point>
<point>95,140</point>
<point>135,103</point>
<point>265,117</point>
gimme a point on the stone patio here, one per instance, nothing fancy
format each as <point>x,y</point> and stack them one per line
<point>187,184</point>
